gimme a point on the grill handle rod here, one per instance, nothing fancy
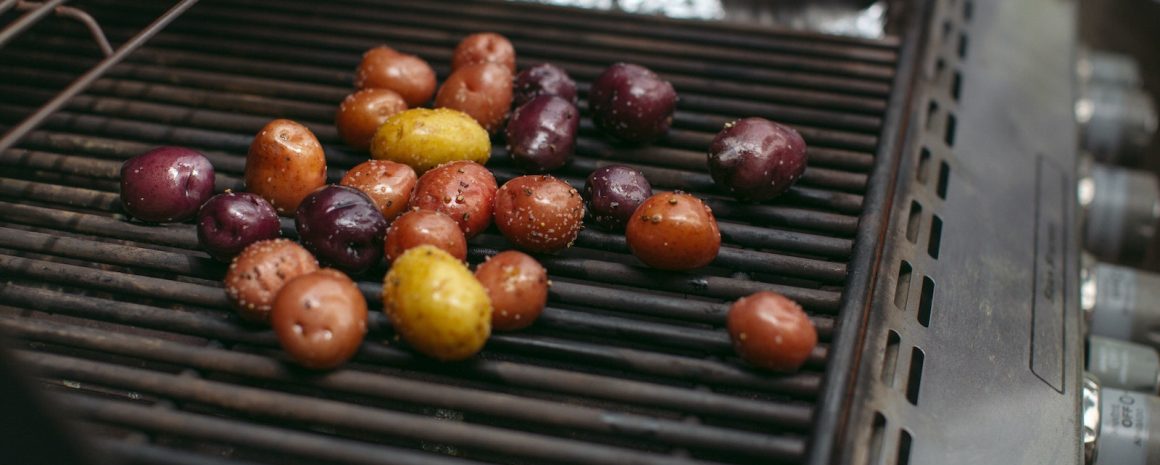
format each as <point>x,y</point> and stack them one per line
<point>79,85</point>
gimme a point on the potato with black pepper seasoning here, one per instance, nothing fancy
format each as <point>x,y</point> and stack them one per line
<point>259,272</point>
<point>539,213</point>
<point>436,305</point>
<point>673,231</point>
<point>463,190</point>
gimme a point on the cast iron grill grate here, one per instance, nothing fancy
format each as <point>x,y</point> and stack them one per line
<point>128,323</point>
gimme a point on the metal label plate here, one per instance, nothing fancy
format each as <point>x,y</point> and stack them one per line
<point>1047,303</point>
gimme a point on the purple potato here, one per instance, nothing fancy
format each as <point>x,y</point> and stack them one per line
<point>166,184</point>
<point>541,134</point>
<point>229,222</point>
<point>757,159</point>
<point>543,79</point>
<point>613,193</point>
<point>342,227</point>
<point>632,103</point>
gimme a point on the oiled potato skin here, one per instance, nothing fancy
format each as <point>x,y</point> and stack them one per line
<point>436,305</point>
<point>423,139</point>
<point>284,164</point>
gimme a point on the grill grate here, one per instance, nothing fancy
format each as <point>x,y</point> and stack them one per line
<point>128,322</point>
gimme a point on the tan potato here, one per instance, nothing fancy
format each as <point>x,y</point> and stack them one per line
<point>482,90</point>
<point>285,162</point>
<point>484,47</point>
<point>360,114</point>
<point>423,139</point>
<point>436,305</point>
<point>383,67</point>
<point>259,272</point>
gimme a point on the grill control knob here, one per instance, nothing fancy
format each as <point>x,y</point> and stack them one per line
<point>1128,421</point>
<point>1115,122</point>
<point>1106,68</point>
<point>1123,365</point>
<point>1122,303</point>
<point>1120,209</point>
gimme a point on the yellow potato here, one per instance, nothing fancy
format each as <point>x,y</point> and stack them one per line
<point>436,304</point>
<point>423,138</point>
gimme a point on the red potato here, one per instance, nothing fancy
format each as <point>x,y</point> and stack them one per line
<point>320,319</point>
<point>484,47</point>
<point>284,164</point>
<point>387,183</point>
<point>518,287</point>
<point>771,331</point>
<point>482,90</point>
<point>360,114</point>
<point>539,213</point>
<point>259,272</point>
<point>425,227</point>
<point>673,231</point>
<point>463,190</point>
<point>385,68</point>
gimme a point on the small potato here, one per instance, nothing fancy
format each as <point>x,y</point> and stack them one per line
<point>320,319</point>
<point>673,231</point>
<point>436,305</point>
<point>541,134</point>
<point>518,287</point>
<point>362,112</point>
<point>484,47</point>
<point>285,162</point>
<point>613,193</point>
<point>423,139</point>
<point>228,223</point>
<point>342,226</point>
<point>259,272</point>
<point>543,79</point>
<point>757,159</point>
<point>771,331</point>
<point>463,190</point>
<point>387,183</point>
<point>539,213</point>
<point>419,227</point>
<point>166,184</point>
<point>385,68</point>
<point>482,90</point>
<point>632,103</point>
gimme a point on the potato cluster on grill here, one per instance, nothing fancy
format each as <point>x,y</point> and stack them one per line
<point>424,192</point>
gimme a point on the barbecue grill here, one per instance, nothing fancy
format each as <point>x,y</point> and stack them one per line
<point>942,289</point>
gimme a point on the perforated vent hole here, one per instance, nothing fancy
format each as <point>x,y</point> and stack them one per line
<point>956,85</point>
<point>877,431</point>
<point>944,175</point>
<point>890,358</point>
<point>912,222</point>
<point>931,111</point>
<point>934,241</point>
<point>962,45</point>
<point>902,288</point>
<point>949,135</point>
<point>923,172</point>
<point>914,379</point>
<point>904,440</point>
<point>926,300</point>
